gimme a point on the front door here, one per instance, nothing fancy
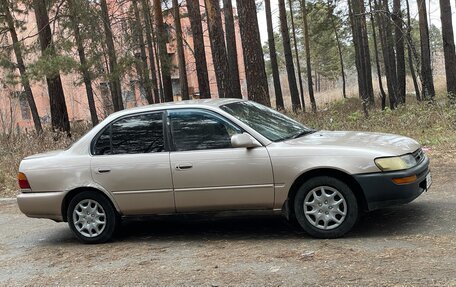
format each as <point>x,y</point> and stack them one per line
<point>130,161</point>
<point>208,174</point>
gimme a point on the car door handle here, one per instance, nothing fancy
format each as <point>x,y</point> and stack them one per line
<point>104,170</point>
<point>183,166</point>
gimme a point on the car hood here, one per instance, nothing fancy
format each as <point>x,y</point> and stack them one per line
<point>386,144</point>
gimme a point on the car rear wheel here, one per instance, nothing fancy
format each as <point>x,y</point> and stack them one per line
<point>326,207</point>
<point>91,217</point>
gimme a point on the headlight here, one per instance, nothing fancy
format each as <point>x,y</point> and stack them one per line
<point>395,163</point>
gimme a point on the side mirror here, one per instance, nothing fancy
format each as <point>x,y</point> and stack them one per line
<point>244,140</point>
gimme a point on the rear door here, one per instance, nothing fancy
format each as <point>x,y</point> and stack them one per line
<point>130,160</point>
<point>208,173</point>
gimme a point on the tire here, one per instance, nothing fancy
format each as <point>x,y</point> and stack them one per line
<point>92,217</point>
<point>326,207</point>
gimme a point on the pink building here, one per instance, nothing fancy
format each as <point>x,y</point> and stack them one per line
<point>14,110</point>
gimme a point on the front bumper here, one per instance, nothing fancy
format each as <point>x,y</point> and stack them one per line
<point>41,204</point>
<point>380,190</point>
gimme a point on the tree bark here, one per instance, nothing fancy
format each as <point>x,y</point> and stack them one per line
<point>400,57</point>
<point>194,14</point>
<point>388,51</point>
<point>180,52</point>
<point>143,57</point>
<point>114,82</point>
<point>298,64</point>
<point>4,6</point>
<point>165,60</point>
<point>219,57</point>
<point>150,48</point>
<point>355,17</point>
<point>377,62</point>
<point>448,48</point>
<point>59,113</point>
<point>255,73</point>
<point>273,56</point>
<point>231,48</point>
<point>308,61</point>
<point>295,102</point>
<point>427,80</point>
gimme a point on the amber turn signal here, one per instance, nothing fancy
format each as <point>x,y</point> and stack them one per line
<point>405,180</point>
<point>23,181</point>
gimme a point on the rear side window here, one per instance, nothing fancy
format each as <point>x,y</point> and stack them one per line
<point>132,135</point>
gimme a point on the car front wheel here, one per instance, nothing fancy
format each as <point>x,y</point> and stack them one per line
<point>91,217</point>
<point>326,207</point>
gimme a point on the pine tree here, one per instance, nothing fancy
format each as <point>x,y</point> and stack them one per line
<point>273,56</point>
<point>219,57</point>
<point>5,9</point>
<point>255,73</point>
<point>59,113</point>
<point>194,14</point>
<point>295,103</point>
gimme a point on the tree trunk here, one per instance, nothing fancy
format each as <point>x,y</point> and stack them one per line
<point>143,57</point>
<point>194,14</point>
<point>427,80</point>
<point>4,6</point>
<point>150,48</point>
<point>59,113</point>
<point>355,19</point>
<point>339,49</point>
<point>400,57</point>
<point>165,60</point>
<point>388,51</point>
<point>273,56</point>
<point>411,54</point>
<point>231,47</point>
<point>219,57</point>
<point>308,61</point>
<point>448,48</point>
<point>255,73</point>
<point>114,82</point>
<point>295,103</point>
<point>183,82</point>
<point>377,62</point>
<point>366,55</point>
<point>298,64</point>
<point>74,19</point>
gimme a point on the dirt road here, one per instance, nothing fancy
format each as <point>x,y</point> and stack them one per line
<point>410,245</point>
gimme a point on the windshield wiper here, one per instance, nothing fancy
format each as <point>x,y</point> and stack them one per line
<point>300,134</point>
<point>303,133</point>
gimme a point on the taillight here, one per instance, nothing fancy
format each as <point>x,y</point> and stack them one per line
<point>23,181</point>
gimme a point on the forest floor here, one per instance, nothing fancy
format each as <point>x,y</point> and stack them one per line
<point>409,245</point>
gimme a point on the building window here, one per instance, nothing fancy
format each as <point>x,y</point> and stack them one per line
<point>23,104</point>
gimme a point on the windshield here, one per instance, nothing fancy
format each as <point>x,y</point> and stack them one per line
<point>268,122</point>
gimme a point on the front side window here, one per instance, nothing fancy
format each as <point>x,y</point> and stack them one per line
<point>199,130</point>
<point>132,135</point>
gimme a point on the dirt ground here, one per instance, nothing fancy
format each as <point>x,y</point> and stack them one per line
<point>410,245</point>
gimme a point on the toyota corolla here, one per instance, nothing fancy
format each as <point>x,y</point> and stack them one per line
<point>219,155</point>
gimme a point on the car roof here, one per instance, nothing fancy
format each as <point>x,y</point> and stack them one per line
<point>181,104</point>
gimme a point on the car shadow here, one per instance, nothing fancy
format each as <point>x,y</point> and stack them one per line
<point>402,220</point>
<point>197,227</point>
